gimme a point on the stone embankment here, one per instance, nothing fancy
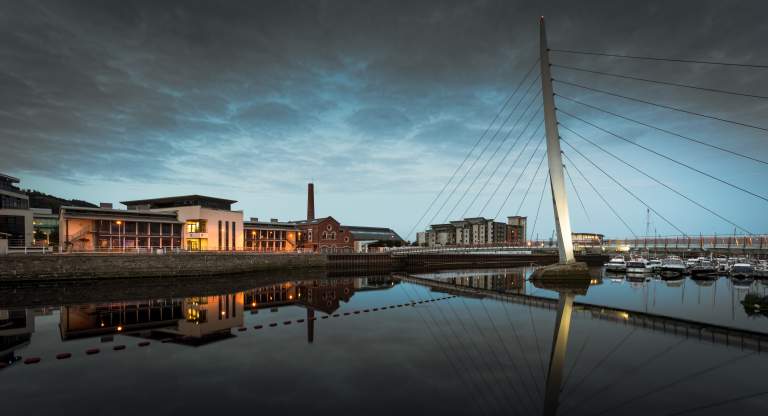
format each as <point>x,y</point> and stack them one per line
<point>57,267</point>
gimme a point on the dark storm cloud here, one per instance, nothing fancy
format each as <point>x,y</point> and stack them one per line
<point>356,93</point>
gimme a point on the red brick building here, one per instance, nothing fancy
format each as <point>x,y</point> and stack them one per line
<point>324,235</point>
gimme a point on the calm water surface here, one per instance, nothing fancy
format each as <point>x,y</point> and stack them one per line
<point>377,345</point>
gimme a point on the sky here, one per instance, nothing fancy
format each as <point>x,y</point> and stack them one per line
<point>378,103</point>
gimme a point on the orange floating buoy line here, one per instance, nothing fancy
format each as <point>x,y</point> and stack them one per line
<point>258,327</point>
<point>273,324</point>
<point>242,329</point>
<point>32,360</point>
<point>144,344</point>
<point>63,355</point>
<point>118,347</point>
<point>298,321</point>
<point>91,351</point>
<point>287,323</point>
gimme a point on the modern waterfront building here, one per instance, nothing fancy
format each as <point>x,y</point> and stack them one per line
<point>469,231</point>
<point>209,223</point>
<point>516,230</point>
<point>584,240</point>
<point>45,225</point>
<point>107,229</point>
<point>421,238</point>
<point>479,230</point>
<point>441,235</point>
<point>270,236</point>
<point>15,214</point>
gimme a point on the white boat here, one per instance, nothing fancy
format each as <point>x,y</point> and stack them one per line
<point>742,270</point>
<point>638,265</point>
<point>761,269</point>
<point>654,265</point>
<point>617,264</point>
<point>703,268</point>
<point>672,265</point>
<point>691,263</point>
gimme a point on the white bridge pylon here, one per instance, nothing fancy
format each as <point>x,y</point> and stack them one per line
<point>554,157</point>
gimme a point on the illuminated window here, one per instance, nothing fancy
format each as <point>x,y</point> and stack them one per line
<point>195,226</point>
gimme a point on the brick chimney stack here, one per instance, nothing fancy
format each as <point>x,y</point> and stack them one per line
<point>310,201</point>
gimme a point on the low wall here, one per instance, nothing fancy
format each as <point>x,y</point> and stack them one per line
<point>53,267</point>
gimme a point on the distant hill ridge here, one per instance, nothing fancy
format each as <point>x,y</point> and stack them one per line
<point>40,200</point>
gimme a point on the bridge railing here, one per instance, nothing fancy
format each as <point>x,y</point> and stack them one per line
<point>710,242</point>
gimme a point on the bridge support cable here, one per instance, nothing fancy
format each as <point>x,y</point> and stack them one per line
<point>530,184</point>
<point>501,162</point>
<point>652,58</point>
<point>522,172</point>
<point>698,409</point>
<point>541,198</point>
<point>600,363</point>
<point>478,398</point>
<point>578,195</point>
<point>573,368</point>
<point>480,139</point>
<point>642,172</point>
<point>485,165</point>
<point>509,169</point>
<point>664,156</point>
<point>479,156</point>
<point>608,204</point>
<point>616,181</point>
<point>518,373</point>
<point>673,84</point>
<point>668,107</point>
<point>488,386</point>
<point>611,410</point>
<point>624,376</point>
<point>536,386</point>
<point>672,133</point>
<point>488,367</point>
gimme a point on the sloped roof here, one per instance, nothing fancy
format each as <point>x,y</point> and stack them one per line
<point>373,233</point>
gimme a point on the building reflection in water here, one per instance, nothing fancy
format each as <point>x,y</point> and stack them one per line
<point>16,328</point>
<point>201,320</point>
<point>504,280</point>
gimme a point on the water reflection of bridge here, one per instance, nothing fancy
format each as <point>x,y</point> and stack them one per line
<point>720,334</point>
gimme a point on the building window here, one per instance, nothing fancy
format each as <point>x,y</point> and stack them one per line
<point>328,227</point>
<point>226,235</point>
<point>196,226</point>
<point>309,235</point>
<point>219,234</point>
<point>233,236</point>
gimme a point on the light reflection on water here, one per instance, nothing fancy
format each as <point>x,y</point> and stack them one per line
<point>381,346</point>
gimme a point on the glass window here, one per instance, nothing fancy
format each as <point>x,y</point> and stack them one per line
<point>166,228</point>
<point>196,226</point>
<point>130,227</point>
<point>154,228</point>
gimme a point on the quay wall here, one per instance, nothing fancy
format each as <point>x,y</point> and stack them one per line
<point>17,268</point>
<point>56,267</point>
